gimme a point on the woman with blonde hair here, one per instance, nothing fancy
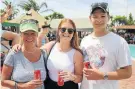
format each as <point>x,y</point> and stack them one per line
<point>20,69</point>
<point>65,59</point>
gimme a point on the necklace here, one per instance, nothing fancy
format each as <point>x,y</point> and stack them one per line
<point>30,52</point>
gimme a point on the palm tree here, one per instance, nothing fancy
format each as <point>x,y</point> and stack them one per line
<point>55,15</point>
<point>14,9</point>
<point>27,5</point>
<point>130,19</point>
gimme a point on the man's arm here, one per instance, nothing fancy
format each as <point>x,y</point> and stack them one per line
<point>122,73</point>
<point>11,36</point>
<point>95,74</point>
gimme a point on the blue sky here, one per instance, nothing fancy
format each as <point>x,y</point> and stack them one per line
<point>81,8</point>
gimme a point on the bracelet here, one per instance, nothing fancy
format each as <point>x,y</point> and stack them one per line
<point>16,85</point>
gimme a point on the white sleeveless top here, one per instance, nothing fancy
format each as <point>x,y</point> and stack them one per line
<point>60,61</point>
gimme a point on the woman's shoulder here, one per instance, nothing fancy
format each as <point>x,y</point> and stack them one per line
<point>78,52</point>
<point>78,57</point>
<point>11,58</point>
<point>12,52</point>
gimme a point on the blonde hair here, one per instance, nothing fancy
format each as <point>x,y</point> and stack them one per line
<point>74,41</point>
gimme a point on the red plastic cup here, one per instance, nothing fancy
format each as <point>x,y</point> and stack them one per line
<point>86,64</point>
<point>60,80</point>
<point>37,74</point>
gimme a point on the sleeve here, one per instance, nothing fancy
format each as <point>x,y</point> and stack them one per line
<point>82,47</point>
<point>9,59</point>
<point>123,56</point>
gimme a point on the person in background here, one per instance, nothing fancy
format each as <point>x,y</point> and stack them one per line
<point>134,38</point>
<point>6,14</point>
<point>42,36</point>
<point>8,35</point>
<point>8,38</point>
<point>108,54</point>
<point>65,59</point>
<point>18,69</point>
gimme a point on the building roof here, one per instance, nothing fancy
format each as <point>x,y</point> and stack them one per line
<point>32,14</point>
<point>79,22</point>
<point>124,27</point>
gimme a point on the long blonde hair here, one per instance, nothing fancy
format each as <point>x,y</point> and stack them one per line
<point>74,41</point>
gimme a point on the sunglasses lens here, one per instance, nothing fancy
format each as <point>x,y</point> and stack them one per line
<point>70,31</point>
<point>63,30</point>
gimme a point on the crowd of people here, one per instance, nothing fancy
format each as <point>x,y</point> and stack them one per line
<point>129,37</point>
<point>98,62</point>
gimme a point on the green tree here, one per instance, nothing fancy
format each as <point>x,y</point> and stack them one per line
<point>119,20</point>
<point>55,15</point>
<point>130,20</point>
<point>27,5</point>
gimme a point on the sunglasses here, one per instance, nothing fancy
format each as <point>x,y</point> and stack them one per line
<point>29,21</point>
<point>69,30</point>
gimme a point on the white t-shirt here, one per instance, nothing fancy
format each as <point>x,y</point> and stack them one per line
<point>107,53</point>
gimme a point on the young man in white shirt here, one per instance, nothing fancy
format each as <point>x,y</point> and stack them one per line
<point>107,53</point>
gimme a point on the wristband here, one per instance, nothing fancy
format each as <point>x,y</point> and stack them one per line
<point>16,85</point>
<point>105,76</point>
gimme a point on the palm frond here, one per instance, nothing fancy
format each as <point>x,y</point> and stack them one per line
<point>34,5</point>
<point>5,2</point>
<point>47,10</point>
<point>28,5</point>
<point>43,4</point>
<point>25,6</point>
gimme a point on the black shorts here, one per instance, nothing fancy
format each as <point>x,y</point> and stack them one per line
<point>67,85</point>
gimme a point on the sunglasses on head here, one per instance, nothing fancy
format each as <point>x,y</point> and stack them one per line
<point>29,21</point>
<point>69,30</point>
